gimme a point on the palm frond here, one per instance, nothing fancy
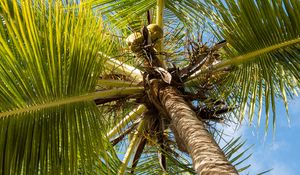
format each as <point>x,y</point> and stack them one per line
<point>263,52</point>
<point>235,149</point>
<point>133,115</point>
<point>188,12</point>
<point>49,60</point>
<point>116,66</point>
<point>176,163</point>
<point>123,12</point>
<point>87,97</point>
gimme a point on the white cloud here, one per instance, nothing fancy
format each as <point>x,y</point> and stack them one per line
<point>281,169</point>
<point>262,163</point>
<point>234,130</point>
<point>266,157</point>
<point>277,145</point>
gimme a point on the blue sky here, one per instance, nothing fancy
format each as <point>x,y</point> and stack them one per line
<point>280,151</point>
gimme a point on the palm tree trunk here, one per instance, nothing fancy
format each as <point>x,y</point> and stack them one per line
<point>208,158</point>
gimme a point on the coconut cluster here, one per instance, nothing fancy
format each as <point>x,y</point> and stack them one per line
<point>136,40</point>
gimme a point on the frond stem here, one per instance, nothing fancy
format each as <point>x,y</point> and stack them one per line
<point>244,58</point>
<point>160,5</point>
<point>131,116</point>
<point>123,68</point>
<point>160,12</point>
<point>116,83</point>
<point>131,149</point>
<point>75,99</point>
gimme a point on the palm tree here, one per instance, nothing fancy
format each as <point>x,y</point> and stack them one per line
<point>68,76</point>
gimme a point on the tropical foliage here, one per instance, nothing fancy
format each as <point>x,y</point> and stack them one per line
<point>77,99</point>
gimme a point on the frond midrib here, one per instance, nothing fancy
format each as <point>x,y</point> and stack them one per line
<point>75,99</point>
<point>246,57</point>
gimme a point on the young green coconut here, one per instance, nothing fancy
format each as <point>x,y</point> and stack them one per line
<point>155,31</point>
<point>136,40</point>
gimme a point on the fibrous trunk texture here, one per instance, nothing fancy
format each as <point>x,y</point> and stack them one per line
<point>208,158</point>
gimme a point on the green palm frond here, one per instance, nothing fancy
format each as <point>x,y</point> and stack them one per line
<point>49,68</point>
<point>188,12</point>
<point>175,165</point>
<point>109,165</point>
<point>176,161</point>
<point>235,148</point>
<point>263,52</point>
<point>233,152</point>
<point>238,154</point>
<point>125,12</point>
<point>174,41</point>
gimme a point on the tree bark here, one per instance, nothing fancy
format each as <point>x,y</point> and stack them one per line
<point>208,158</point>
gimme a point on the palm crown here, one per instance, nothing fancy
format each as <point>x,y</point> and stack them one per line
<point>73,92</point>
